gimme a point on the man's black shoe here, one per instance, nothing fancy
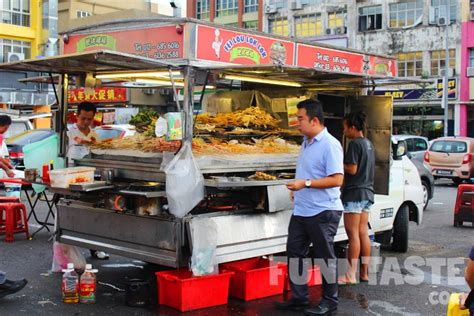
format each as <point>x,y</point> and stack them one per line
<point>292,305</point>
<point>10,287</point>
<point>321,309</point>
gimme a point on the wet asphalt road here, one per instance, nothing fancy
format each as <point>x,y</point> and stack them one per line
<point>435,238</point>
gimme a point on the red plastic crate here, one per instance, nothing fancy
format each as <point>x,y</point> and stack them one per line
<point>314,278</point>
<point>185,292</point>
<point>256,278</point>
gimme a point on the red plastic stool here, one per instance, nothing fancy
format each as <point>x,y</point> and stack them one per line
<point>16,220</point>
<point>7,199</point>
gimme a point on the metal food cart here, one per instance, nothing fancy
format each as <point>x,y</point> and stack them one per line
<point>202,52</point>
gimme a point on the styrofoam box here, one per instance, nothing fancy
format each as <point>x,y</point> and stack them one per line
<point>62,178</point>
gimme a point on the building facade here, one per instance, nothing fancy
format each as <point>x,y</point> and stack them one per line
<point>246,14</point>
<point>467,66</point>
<point>25,33</point>
<point>412,30</point>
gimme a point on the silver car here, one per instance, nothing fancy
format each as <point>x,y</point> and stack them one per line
<point>416,145</point>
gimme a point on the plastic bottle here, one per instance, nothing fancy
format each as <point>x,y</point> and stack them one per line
<point>88,285</point>
<point>51,165</point>
<point>70,285</point>
<point>371,235</point>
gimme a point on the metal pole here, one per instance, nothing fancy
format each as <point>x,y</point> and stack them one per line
<point>446,69</point>
<point>188,103</point>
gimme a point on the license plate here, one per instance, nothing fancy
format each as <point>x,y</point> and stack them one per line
<point>444,172</point>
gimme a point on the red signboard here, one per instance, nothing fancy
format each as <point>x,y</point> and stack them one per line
<point>380,66</point>
<point>163,42</point>
<point>330,60</point>
<point>220,45</point>
<point>98,95</point>
<point>333,60</point>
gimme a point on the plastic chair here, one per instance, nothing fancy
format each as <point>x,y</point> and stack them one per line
<point>464,207</point>
<point>35,156</point>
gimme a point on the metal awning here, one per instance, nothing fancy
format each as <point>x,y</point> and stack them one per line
<point>88,62</point>
<point>312,78</point>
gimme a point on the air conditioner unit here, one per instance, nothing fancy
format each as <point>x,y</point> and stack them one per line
<point>451,72</point>
<point>341,30</point>
<point>470,72</point>
<point>471,16</point>
<point>15,57</point>
<point>330,31</point>
<point>296,5</point>
<point>269,9</point>
<point>442,20</point>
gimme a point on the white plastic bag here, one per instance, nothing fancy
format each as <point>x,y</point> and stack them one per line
<point>184,182</point>
<point>204,240</point>
<point>64,254</point>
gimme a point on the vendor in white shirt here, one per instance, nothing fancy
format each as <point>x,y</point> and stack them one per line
<point>6,169</point>
<point>80,136</point>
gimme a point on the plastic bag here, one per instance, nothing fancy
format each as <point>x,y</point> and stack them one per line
<point>64,254</point>
<point>184,182</point>
<point>204,240</point>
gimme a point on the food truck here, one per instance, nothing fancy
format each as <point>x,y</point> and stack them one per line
<point>218,177</point>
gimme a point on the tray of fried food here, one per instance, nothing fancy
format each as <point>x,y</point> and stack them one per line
<point>263,176</point>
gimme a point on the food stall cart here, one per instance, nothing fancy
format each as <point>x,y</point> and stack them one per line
<point>245,167</point>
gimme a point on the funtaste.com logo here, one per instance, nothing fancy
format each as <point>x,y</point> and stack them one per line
<point>412,271</point>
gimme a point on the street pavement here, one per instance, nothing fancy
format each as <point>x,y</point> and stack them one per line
<point>425,295</point>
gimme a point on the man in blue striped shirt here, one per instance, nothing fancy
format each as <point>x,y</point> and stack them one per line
<point>318,209</point>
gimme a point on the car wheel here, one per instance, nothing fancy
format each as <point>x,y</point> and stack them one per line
<point>400,230</point>
<point>426,193</point>
<point>457,181</point>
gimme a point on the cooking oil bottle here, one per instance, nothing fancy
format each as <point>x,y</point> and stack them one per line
<point>70,285</point>
<point>88,285</point>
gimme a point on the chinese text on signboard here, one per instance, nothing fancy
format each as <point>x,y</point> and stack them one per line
<point>97,95</point>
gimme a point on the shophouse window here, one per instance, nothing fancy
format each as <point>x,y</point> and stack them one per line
<point>337,20</point>
<point>311,2</point>
<point>405,13</point>
<point>279,3</point>
<point>438,7</point>
<point>7,47</point>
<point>236,24</point>
<point>82,14</point>
<point>202,9</point>
<point>279,26</point>
<point>227,7</point>
<point>438,58</point>
<point>16,12</point>
<point>410,64</point>
<point>308,25</point>
<point>471,57</point>
<point>370,18</point>
<point>251,25</point>
<point>251,6</point>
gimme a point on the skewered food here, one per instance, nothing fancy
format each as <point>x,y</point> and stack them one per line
<point>251,117</point>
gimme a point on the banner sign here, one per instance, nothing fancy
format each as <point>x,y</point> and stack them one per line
<point>98,95</point>
<point>162,42</point>
<point>334,60</point>
<point>452,88</point>
<point>221,45</point>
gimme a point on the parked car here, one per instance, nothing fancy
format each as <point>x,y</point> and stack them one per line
<point>415,152</point>
<point>416,145</point>
<point>22,123</point>
<point>114,131</point>
<point>16,143</point>
<point>451,158</point>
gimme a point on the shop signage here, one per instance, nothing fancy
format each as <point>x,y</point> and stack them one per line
<point>409,94</point>
<point>221,45</point>
<point>98,95</point>
<point>162,42</point>
<point>452,87</point>
<point>333,60</point>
